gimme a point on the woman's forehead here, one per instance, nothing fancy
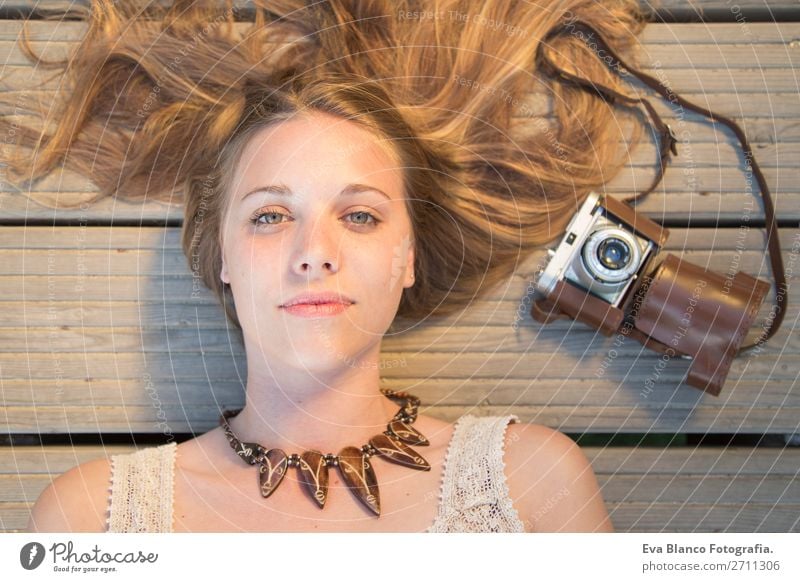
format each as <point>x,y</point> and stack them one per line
<point>313,147</point>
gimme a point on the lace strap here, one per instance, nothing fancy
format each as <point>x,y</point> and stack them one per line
<point>474,495</point>
<point>142,490</point>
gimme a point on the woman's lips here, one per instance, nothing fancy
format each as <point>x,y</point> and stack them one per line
<point>316,310</point>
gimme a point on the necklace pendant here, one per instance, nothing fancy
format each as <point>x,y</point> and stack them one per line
<point>272,470</point>
<point>407,433</point>
<point>247,452</point>
<point>359,476</point>
<point>394,450</point>
<point>314,476</point>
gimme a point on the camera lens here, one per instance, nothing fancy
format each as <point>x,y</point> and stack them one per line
<point>611,256</point>
<point>614,253</point>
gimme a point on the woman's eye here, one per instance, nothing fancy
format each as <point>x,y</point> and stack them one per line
<point>366,216</point>
<point>269,214</point>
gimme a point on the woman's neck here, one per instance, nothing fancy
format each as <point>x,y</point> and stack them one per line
<point>300,411</point>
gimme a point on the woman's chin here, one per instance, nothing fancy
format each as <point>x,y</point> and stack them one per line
<point>321,361</point>
<point>316,353</point>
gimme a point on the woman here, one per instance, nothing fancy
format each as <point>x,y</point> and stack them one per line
<point>387,196</point>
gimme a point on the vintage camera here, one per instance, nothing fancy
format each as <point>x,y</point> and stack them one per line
<point>608,272</point>
<point>601,254</point>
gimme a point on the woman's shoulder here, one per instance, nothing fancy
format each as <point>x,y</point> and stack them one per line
<point>76,501</point>
<point>551,481</point>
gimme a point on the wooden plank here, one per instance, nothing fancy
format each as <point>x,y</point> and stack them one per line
<point>193,417</point>
<point>145,396</point>
<point>746,74</point>
<point>579,363</point>
<point>633,517</point>
<point>722,198</point>
<point>35,257</point>
<point>703,518</point>
<point>712,55</point>
<point>70,33</point>
<point>694,461</point>
<point>721,10</point>
<point>175,307</point>
<point>14,517</point>
<point>646,489</point>
<point>440,338</point>
<point>129,342</point>
<point>723,91</point>
<point>147,264</point>
<point>53,459</point>
<point>668,10</point>
<point>25,471</point>
<point>121,242</point>
<point>718,33</point>
<point>534,109</point>
<point>691,81</point>
<point>62,36</point>
<point>703,489</point>
<point>709,185</point>
<point>676,488</point>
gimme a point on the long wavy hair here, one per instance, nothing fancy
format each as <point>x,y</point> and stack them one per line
<point>158,102</point>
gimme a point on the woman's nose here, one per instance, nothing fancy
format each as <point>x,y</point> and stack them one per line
<point>316,250</point>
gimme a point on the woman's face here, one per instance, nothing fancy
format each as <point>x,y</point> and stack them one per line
<point>317,205</point>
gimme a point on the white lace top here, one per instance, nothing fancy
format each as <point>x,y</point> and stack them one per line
<point>474,495</point>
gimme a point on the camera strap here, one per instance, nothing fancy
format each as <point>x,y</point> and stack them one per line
<point>668,143</point>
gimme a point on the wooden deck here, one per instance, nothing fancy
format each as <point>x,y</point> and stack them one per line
<point>101,335</point>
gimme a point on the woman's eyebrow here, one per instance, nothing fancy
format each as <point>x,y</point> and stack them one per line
<point>283,190</point>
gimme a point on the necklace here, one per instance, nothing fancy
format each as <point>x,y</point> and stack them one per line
<point>353,462</point>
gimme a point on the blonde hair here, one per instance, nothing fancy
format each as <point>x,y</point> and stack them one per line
<point>169,96</point>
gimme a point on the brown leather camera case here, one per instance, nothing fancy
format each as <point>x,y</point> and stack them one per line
<point>688,310</point>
